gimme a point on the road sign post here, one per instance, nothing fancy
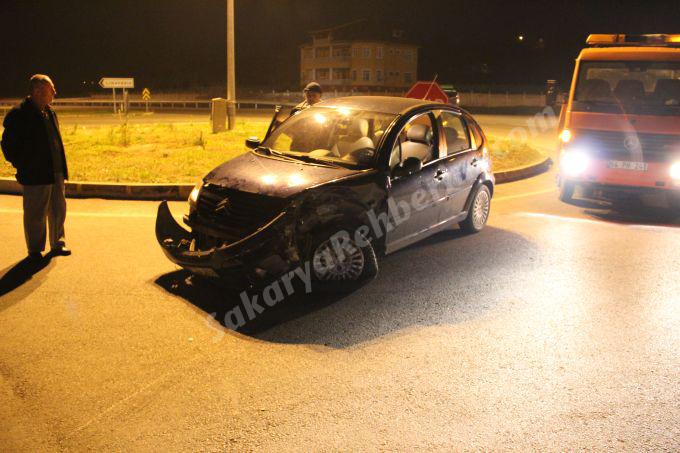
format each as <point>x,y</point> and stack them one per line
<point>146,96</point>
<point>117,82</point>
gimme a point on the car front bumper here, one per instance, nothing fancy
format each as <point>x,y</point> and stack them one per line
<point>268,252</point>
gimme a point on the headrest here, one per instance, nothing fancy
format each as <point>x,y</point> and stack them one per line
<point>358,128</point>
<point>629,89</point>
<point>667,89</point>
<point>595,89</point>
<point>419,133</point>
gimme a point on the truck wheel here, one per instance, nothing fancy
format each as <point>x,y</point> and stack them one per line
<point>479,211</point>
<point>338,262</point>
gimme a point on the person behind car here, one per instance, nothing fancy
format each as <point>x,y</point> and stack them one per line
<point>312,94</point>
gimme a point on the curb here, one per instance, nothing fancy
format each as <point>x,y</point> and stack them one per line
<point>519,173</point>
<point>180,192</point>
<point>114,191</point>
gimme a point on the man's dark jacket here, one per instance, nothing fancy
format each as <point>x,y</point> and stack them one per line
<point>25,144</point>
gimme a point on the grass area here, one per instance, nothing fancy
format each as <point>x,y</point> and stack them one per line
<point>183,152</point>
<point>506,154</point>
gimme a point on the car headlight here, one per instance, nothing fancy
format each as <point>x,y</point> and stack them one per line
<point>675,171</point>
<point>193,196</point>
<point>574,163</point>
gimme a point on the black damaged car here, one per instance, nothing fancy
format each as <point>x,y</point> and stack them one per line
<point>331,189</point>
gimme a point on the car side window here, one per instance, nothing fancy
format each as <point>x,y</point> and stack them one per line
<point>416,139</point>
<point>475,134</point>
<point>454,132</point>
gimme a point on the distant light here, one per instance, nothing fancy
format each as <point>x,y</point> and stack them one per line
<point>520,37</point>
<point>565,136</point>
<point>675,171</point>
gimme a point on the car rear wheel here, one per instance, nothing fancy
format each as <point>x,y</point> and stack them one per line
<point>479,211</point>
<point>339,262</point>
<point>567,191</point>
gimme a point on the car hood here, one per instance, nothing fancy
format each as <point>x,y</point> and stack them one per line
<point>272,176</point>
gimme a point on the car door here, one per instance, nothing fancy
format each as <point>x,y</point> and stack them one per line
<point>414,200</point>
<point>461,162</point>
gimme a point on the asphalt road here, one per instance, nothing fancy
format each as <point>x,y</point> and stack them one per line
<point>556,328</point>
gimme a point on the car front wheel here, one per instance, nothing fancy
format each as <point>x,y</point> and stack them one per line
<point>339,262</point>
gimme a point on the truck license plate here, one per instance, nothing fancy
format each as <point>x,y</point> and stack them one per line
<point>625,165</point>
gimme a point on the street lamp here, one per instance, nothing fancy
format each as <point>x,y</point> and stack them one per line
<point>231,67</point>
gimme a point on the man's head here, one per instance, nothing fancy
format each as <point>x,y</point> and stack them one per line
<point>312,93</point>
<point>42,90</point>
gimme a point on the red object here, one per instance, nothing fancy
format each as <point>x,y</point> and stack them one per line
<point>427,91</point>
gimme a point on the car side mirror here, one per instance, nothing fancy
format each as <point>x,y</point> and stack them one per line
<point>410,166</point>
<point>253,142</point>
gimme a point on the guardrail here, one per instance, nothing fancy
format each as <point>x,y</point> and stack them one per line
<point>156,105</point>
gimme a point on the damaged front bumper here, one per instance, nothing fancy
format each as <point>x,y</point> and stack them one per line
<point>264,254</point>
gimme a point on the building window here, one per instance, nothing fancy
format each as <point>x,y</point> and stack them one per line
<point>367,52</point>
<point>397,52</point>
<point>408,54</point>
<point>378,75</point>
<point>408,77</point>
<point>355,52</point>
<point>390,51</point>
<point>322,74</point>
<point>339,52</point>
<point>366,75</point>
<point>379,53</point>
<point>340,73</point>
<point>322,52</point>
<point>354,76</point>
<point>308,53</point>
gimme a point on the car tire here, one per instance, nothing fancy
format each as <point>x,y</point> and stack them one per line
<point>330,272</point>
<point>567,191</point>
<point>480,208</point>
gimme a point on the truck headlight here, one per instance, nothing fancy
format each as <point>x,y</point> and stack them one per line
<point>675,171</point>
<point>574,162</point>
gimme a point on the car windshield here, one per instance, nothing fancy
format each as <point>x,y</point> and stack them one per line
<point>634,87</point>
<point>337,136</point>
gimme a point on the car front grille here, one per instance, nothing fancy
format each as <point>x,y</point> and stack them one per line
<point>628,146</point>
<point>236,213</point>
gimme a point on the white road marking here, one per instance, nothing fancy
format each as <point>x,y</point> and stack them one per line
<point>597,222</point>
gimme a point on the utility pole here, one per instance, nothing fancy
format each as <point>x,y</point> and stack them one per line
<point>231,67</point>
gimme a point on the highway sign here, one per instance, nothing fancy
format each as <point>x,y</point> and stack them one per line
<point>146,94</point>
<point>116,82</point>
<point>430,91</point>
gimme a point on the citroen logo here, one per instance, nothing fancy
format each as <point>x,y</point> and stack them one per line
<point>222,206</point>
<point>632,143</point>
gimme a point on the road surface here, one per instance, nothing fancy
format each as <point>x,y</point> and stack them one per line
<point>556,328</point>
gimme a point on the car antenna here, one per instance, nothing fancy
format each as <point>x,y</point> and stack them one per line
<point>431,85</point>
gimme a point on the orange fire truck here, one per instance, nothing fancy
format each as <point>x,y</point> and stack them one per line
<point>620,128</point>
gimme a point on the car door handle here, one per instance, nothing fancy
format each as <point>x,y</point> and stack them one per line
<point>439,174</point>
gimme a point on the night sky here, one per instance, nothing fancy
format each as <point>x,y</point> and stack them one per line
<point>177,44</point>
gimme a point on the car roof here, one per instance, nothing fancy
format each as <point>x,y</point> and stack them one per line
<point>630,54</point>
<point>381,104</point>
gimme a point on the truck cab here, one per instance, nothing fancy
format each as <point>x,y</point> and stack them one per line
<point>620,128</point>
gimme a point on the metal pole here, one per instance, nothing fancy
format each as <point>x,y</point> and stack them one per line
<point>114,100</point>
<point>231,67</point>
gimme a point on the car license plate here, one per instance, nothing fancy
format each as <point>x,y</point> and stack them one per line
<point>625,165</point>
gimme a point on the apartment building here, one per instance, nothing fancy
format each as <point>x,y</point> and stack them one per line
<point>358,57</point>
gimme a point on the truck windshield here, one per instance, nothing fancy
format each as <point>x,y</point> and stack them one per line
<point>632,87</point>
<point>331,135</point>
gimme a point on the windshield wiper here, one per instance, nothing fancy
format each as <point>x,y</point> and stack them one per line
<point>272,152</point>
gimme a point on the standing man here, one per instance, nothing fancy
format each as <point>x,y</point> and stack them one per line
<point>312,96</point>
<point>32,143</point>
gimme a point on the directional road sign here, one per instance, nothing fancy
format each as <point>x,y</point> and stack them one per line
<point>116,82</point>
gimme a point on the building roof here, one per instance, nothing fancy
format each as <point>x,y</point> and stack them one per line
<point>365,30</point>
<point>383,104</point>
<point>630,54</point>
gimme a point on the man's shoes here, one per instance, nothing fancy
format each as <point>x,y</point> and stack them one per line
<point>60,251</point>
<point>35,256</point>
